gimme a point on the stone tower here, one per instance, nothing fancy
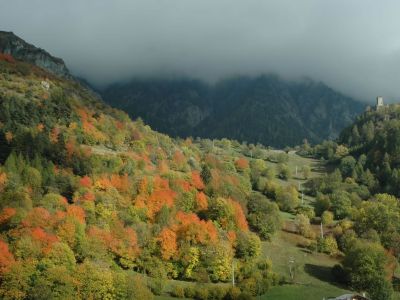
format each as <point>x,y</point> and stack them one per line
<point>379,102</point>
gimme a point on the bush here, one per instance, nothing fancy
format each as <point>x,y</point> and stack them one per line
<point>157,286</point>
<point>264,216</point>
<point>307,211</point>
<point>201,293</point>
<point>233,293</point>
<point>248,245</point>
<point>327,218</point>
<point>245,296</point>
<point>303,227</point>
<point>190,291</point>
<point>284,171</point>
<point>217,292</point>
<point>312,246</point>
<point>287,198</point>
<point>328,245</point>
<point>178,292</point>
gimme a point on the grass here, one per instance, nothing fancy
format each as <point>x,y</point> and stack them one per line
<point>301,292</point>
<point>313,279</point>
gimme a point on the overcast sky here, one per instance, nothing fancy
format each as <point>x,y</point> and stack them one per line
<point>351,45</point>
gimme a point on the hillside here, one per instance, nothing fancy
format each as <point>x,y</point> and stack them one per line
<point>90,199</point>
<point>263,109</point>
<point>375,136</point>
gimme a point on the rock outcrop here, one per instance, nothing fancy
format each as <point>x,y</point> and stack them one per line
<point>21,50</point>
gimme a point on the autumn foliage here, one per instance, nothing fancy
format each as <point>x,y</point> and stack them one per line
<point>161,195</point>
<point>240,217</point>
<point>201,199</point>
<point>197,181</point>
<point>85,181</point>
<point>7,57</point>
<point>6,214</point>
<point>242,163</point>
<point>190,228</point>
<point>6,258</point>
<point>169,247</point>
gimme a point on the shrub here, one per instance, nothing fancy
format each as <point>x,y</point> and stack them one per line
<point>233,293</point>
<point>190,291</point>
<point>201,293</point>
<point>284,171</point>
<point>157,286</point>
<point>303,226</point>
<point>328,245</point>
<point>217,293</point>
<point>327,218</point>
<point>178,292</point>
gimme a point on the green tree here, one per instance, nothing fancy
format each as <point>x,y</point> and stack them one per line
<point>218,259</point>
<point>206,174</point>
<point>287,198</point>
<point>347,165</point>
<point>365,263</point>
<point>341,204</point>
<point>284,171</point>
<point>264,216</point>
<point>303,226</point>
<point>322,203</point>
<point>327,218</point>
<point>248,245</point>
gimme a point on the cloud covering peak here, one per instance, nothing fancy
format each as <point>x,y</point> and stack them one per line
<point>352,45</point>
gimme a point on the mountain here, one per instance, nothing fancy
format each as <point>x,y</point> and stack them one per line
<point>264,109</point>
<point>21,50</point>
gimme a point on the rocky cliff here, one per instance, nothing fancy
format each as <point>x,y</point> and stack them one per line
<point>21,50</point>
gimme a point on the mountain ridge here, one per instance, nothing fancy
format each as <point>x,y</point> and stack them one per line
<point>276,112</point>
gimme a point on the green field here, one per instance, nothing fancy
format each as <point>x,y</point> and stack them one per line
<point>313,279</point>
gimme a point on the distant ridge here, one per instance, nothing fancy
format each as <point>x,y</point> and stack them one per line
<point>264,109</point>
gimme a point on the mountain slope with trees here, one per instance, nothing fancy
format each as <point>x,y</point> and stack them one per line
<point>264,109</point>
<point>90,199</point>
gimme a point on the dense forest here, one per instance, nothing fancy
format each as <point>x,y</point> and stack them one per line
<point>94,205</point>
<point>264,109</point>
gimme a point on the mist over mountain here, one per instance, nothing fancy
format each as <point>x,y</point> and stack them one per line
<point>351,46</point>
<point>264,109</point>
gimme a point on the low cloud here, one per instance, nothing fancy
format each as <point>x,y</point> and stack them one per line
<point>352,45</point>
